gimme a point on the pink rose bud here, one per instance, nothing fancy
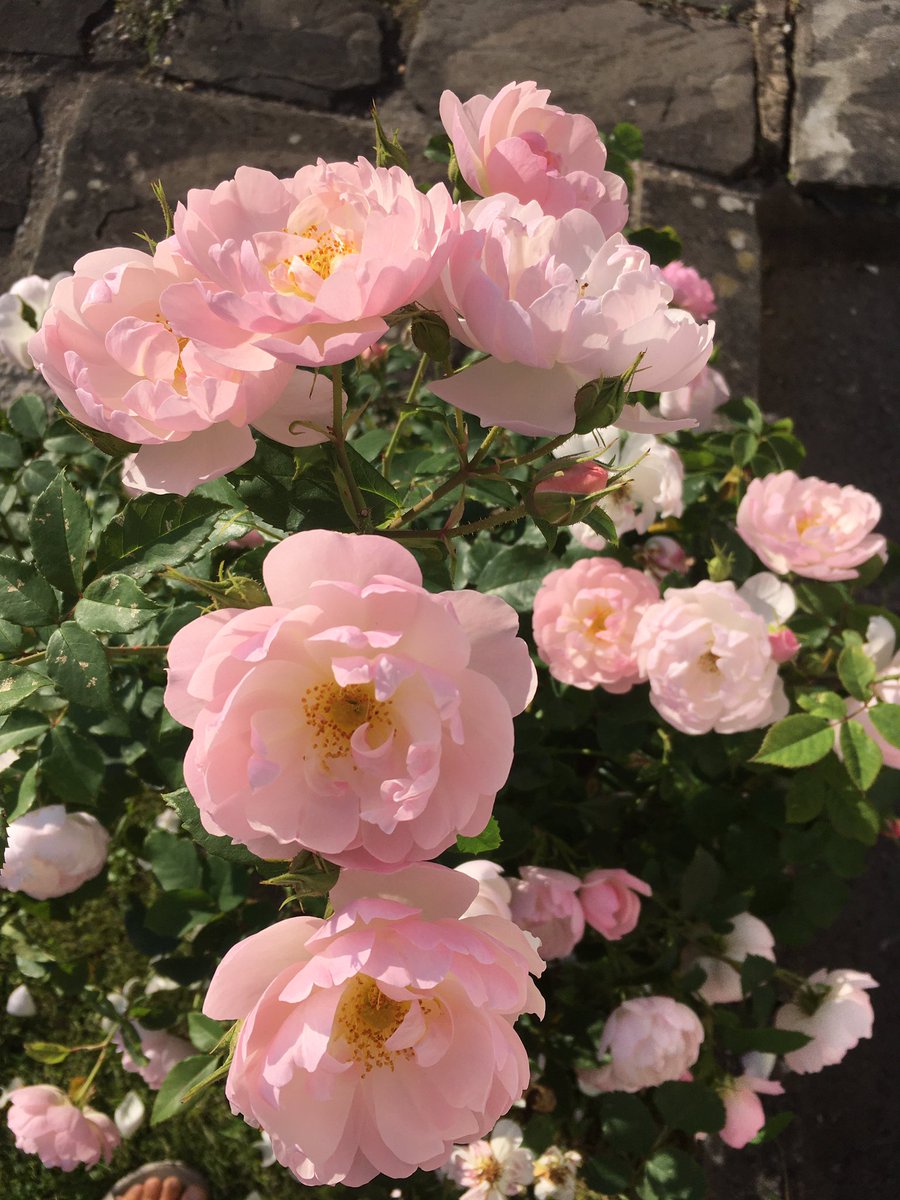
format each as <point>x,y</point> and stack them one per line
<point>892,829</point>
<point>650,1040</point>
<point>690,290</point>
<point>545,902</point>
<point>45,1122</point>
<point>744,1115</point>
<point>834,1011</point>
<point>747,935</point>
<point>816,529</point>
<point>611,902</point>
<point>785,644</point>
<point>374,354</point>
<point>51,852</point>
<point>161,1049</point>
<point>559,498</point>
<point>251,540</point>
<point>661,556</point>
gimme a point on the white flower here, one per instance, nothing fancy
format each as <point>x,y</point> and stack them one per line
<point>748,935</point>
<point>266,1153</point>
<point>129,1114</point>
<point>25,302</point>
<point>771,597</point>
<point>494,892</point>
<point>21,1002</point>
<point>880,642</point>
<point>491,1170</point>
<point>840,1017</point>
<point>555,1174</point>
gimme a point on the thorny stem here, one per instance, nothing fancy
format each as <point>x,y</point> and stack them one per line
<point>449,485</point>
<point>84,1091</point>
<point>339,442</point>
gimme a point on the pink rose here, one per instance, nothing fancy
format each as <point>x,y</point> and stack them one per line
<point>610,901</point>
<point>744,1115</point>
<point>834,1011</point>
<point>45,1122</point>
<point>161,1049</point>
<point>518,143</point>
<point>374,1040</point>
<point>305,269</point>
<point>650,1040</point>
<point>690,290</point>
<point>585,618</point>
<point>707,656</point>
<point>816,529</point>
<point>494,892</point>
<point>493,1169</point>
<point>747,935</point>
<point>661,556</point>
<point>359,716</point>
<point>119,365</point>
<point>557,304</point>
<point>51,852</point>
<point>545,902</point>
<point>699,398</point>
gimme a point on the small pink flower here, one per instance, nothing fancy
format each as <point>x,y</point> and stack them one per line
<point>45,1122</point>
<point>495,1168</point>
<point>374,1040</point>
<point>816,529</point>
<point>649,1040</point>
<point>610,901</point>
<point>661,556</point>
<point>744,1115</point>
<point>494,892</point>
<point>556,1174</point>
<point>161,1049</point>
<point>785,645</point>
<point>836,1013</point>
<point>360,715</point>
<point>545,902</point>
<point>31,293</point>
<point>518,143</point>
<point>707,656</point>
<point>690,290</point>
<point>585,619</point>
<point>700,398</point>
<point>747,935</point>
<point>51,852</point>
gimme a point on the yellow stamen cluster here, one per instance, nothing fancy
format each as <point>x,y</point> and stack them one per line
<point>334,714</point>
<point>599,619</point>
<point>709,663</point>
<point>330,245</point>
<point>365,1020</point>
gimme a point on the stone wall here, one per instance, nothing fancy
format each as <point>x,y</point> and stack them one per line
<point>773,146</point>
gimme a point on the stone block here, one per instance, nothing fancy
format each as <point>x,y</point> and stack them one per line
<point>688,82</point>
<point>846,126</point>
<point>18,147</point>
<point>46,26</point>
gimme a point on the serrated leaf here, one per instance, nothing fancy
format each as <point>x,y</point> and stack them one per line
<point>690,1107</point>
<point>853,816</point>
<point>183,1076</point>
<point>886,719</point>
<point>114,604</point>
<point>672,1175</point>
<point>108,443</point>
<point>10,452</point>
<point>26,598</point>
<point>173,860</point>
<point>766,1041</point>
<point>489,839</point>
<point>153,532</point>
<point>223,847</point>
<point>822,704</point>
<point>601,522</point>
<point>19,728</point>
<point>515,573</point>
<point>48,1053</point>
<point>77,664</point>
<point>28,417</point>
<point>205,1033</point>
<point>74,767</point>
<point>796,741</point>
<point>60,529</point>
<point>861,755</point>
<point>627,1124</point>
<point>744,446</point>
<point>755,971</point>
<point>856,671</point>
<point>17,684</point>
<point>805,798</point>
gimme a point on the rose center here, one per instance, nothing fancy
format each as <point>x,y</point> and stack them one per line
<point>488,1169</point>
<point>365,1020</point>
<point>334,714</point>
<point>331,246</point>
<point>599,619</point>
<point>709,663</point>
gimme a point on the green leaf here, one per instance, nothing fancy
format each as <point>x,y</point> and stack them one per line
<point>797,741</point>
<point>489,839</point>
<point>17,684</point>
<point>886,719</point>
<point>74,768</point>
<point>28,417</point>
<point>773,1128</point>
<point>766,1041</point>
<point>10,452</point>
<point>690,1107</point>
<point>26,598</point>
<point>663,245</point>
<point>805,798</point>
<point>176,913</point>
<point>48,1053</point>
<point>856,671</point>
<point>861,755</point>
<point>76,662</point>
<point>627,1124</point>
<point>108,443</point>
<point>601,522</point>
<point>822,704</point>
<point>700,881</point>
<point>19,728</point>
<point>204,1032</point>
<point>173,860</point>
<point>12,638</point>
<point>608,1176</point>
<point>60,530</point>
<point>853,816</point>
<point>755,971</point>
<point>515,573</point>
<point>154,532</point>
<point>627,140</point>
<point>114,604</point>
<point>672,1175</point>
<point>388,151</point>
<point>183,1076</point>
<point>223,847</point>
<point>743,447</point>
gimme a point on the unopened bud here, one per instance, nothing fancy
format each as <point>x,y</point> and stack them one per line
<point>374,354</point>
<point>784,643</point>
<point>431,335</point>
<point>598,404</point>
<point>568,494</point>
<point>719,566</point>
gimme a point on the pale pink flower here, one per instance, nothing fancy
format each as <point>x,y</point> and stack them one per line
<point>776,603</point>
<point>610,900</point>
<point>707,656</point>
<point>816,529</point>
<point>45,1122</point>
<point>161,1049</point>
<point>557,304</point>
<point>51,852</point>
<point>585,619</point>
<point>545,902</point>
<point>360,715</point>
<point>494,892</point>
<point>372,1041</point>
<point>556,1174</point>
<point>744,1115</point>
<point>690,290</point>
<point>649,1040</point>
<point>22,310</point>
<point>880,644</point>
<point>661,556</point>
<point>747,935</point>
<point>119,365</point>
<point>307,268</point>
<point>491,1169</point>
<point>516,142</point>
<point>700,398</point>
<point>835,1013</point>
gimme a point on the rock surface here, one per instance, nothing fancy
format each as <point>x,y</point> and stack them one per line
<point>45,26</point>
<point>18,146</point>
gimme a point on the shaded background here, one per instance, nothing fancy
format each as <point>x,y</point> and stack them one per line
<point>772,133</point>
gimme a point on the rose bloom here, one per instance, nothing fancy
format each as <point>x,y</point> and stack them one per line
<point>690,290</point>
<point>305,269</point>
<point>359,716</point>
<point>516,142</point>
<point>880,645</point>
<point>45,1122</point>
<point>816,529</point>
<point>744,1115</point>
<point>747,935</point>
<point>22,309</point>
<point>700,398</point>
<point>51,852</point>
<point>493,1169</point>
<point>161,1049</point>
<point>842,1016</point>
<point>776,603</point>
<point>585,618</point>
<point>557,304</point>
<point>610,901</point>
<point>707,656</point>
<point>494,892</point>
<point>661,556</point>
<point>545,902</point>
<point>120,366</point>
<point>650,1040</point>
<point>556,1174</point>
<point>374,1040</point>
